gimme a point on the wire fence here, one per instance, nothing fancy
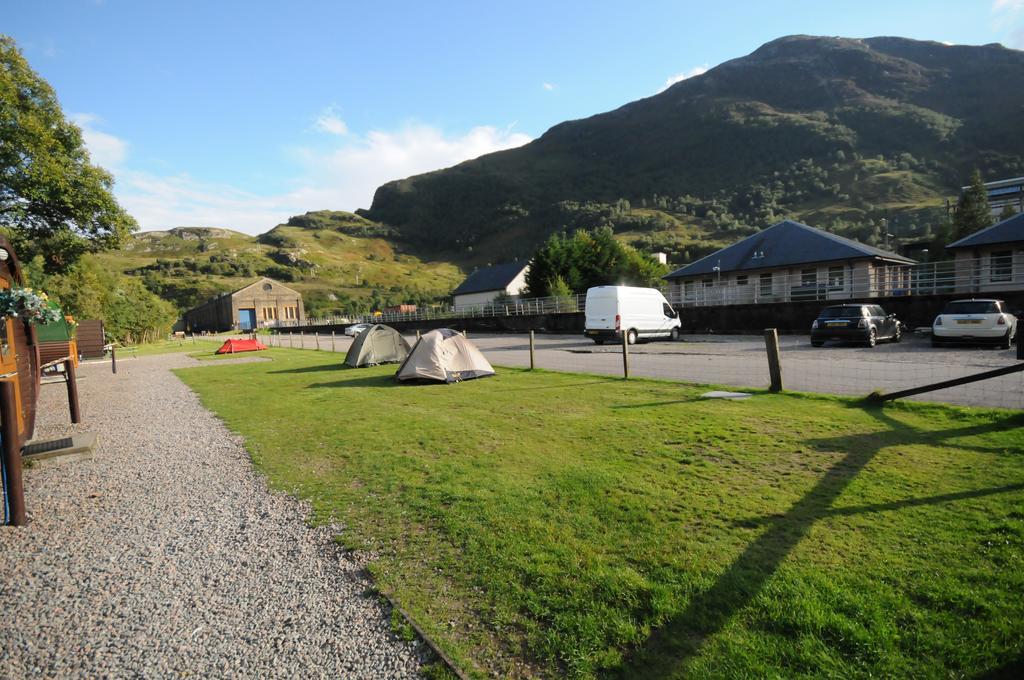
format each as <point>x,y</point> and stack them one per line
<point>738,361</point>
<point>998,273</point>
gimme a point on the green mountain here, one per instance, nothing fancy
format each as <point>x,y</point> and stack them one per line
<point>837,132</point>
<point>340,262</point>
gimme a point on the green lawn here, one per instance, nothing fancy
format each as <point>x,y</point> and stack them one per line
<point>170,347</point>
<point>563,524</point>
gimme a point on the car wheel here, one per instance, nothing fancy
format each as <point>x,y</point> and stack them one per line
<point>872,337</point>
<point>898,335</point>
<point>631,337</point>
<point>817,343</point>
<point>1007,341</point>
<point>674,335</point>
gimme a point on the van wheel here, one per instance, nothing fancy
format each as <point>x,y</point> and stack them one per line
<point>631,337</point>
<point>674,335</point>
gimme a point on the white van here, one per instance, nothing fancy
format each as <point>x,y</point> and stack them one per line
<point>640,313</point>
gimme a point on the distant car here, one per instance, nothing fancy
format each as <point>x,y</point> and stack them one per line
<point>356,329</point>
<point>974,321</point>
<point>855,323</point>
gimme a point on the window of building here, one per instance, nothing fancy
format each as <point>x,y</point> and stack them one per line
<point>741,280</point>
<point>808,277</point>
<point>269,313</point>
<point>291,312</point>
<point>268,286</point>
<point>1001,265</point>
<point>707,283</point>
<point>766,284</point>
<point>836,277</point>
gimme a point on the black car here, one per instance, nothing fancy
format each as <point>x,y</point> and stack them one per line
<point>857,323</point>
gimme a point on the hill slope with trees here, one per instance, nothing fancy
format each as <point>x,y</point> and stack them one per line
<point>837,132</point>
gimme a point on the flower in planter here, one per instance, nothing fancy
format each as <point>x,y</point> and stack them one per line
<point>28,305</point>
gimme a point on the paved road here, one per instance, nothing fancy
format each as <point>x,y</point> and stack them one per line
<point>741,361</point>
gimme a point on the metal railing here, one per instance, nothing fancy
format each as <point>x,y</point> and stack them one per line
<point>967,276</point>
<point>561,304</point>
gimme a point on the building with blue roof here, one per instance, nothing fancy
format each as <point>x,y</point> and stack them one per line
<point>991,259</point>
<point>485,285</point>
<point>790,261</point>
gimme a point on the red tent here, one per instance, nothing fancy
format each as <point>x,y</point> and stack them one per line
<point>232,345</point>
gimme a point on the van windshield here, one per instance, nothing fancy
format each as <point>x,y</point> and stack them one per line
<point>841,312</point>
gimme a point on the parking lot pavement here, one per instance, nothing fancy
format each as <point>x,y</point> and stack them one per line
<point>741,361</point>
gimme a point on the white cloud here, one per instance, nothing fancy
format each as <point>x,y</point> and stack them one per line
<point>342,177</point>
<point>105,150</point>
<point>345,177</point>
<point>1006,19</point>
<point>329,122</point>
<point>159,202</point>
<point>549,86</point>
<point>680,77</point>
<point>1011,5</point>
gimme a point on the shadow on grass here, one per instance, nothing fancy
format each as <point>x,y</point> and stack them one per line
<point>671,647</point>
<point>319,368</point>
<point>368,381</point>
<point>560,387</point>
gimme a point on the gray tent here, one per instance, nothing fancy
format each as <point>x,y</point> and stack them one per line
<point>445,356</point>
<point>378,344</point>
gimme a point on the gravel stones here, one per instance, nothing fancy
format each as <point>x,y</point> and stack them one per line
<point>167,555</point>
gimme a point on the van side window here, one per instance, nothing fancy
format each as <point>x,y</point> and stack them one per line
<point>668,310</point>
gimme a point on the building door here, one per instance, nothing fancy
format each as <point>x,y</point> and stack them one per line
<point>246,319</point>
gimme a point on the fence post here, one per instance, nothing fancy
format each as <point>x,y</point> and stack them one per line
<point>332,342</point>
<point>465,333</point>
<point>72,380</point>
<point>15,492</point>
<point>532,365</point>
<point>417,335</point>
<point>771,343</point>
<point>316,336</point>
<point>302,340</point>
<point>113,359</point>
<point>625,355</point>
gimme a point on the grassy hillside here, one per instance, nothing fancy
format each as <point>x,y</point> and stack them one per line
<point>839,133</point>
<point>340,262</point>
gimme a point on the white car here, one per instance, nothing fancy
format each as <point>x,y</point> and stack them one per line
<point>356,329</point>
<point>974,321</point>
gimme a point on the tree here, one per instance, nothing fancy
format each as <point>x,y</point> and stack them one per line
<point>972,209</point>
<point>587,259</point>
<point>1007,212</point>
<point>53,201</point>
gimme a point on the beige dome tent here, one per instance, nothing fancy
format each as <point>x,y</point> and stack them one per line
<point>445,356</point>
<point>378,344</point>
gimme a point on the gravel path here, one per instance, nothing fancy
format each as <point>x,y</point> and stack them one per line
<point>167,555</point>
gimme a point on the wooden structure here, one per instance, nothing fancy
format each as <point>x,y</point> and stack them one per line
<point>90,339</point>
<point>19,388</point>
<point>264,303</point>
<point>57,341</point>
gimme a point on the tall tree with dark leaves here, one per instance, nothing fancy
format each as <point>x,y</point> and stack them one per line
<point>53,202</point>
<point>972,210</point>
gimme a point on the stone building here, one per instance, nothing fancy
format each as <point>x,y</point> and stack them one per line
<point>262,304</point>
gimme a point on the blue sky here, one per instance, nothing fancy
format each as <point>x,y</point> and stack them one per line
<point>239,114</point>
